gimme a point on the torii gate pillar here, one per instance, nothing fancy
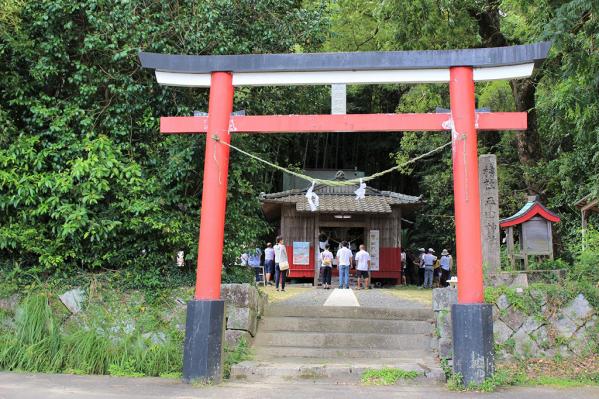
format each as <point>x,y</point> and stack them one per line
<point>205,324</point>
<point>472,320</point>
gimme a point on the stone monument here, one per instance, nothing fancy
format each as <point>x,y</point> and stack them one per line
<point>489,214</point>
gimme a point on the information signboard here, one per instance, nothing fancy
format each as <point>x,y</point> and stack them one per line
<point>373,249</point>
<point>301,253</point>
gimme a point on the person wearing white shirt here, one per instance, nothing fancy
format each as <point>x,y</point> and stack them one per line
<point>363,266</point>
<point>326,266</point>
<point>280,256</point>
<point>344,259</point>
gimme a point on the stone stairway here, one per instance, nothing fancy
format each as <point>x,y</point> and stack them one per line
<point>339,343</point>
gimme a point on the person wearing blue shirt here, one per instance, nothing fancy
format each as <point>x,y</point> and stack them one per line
<point>446,263</point>
<point>254,261</point>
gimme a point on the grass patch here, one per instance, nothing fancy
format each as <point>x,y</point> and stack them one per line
<point>561,382</point>
<point>412,294</point>
<point>236,355</point>
<point>387,376</point>
<point>278,296</point>
<point>40,343</point>
<point>563,373</point>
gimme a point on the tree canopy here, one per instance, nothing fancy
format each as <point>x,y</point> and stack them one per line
<point>88,183</point>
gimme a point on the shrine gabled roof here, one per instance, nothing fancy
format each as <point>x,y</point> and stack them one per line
<point>528,211</point>
<point>342,199</point>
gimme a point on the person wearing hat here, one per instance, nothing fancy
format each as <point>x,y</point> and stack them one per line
<point>429,266</point>
<point>420,262</point>
<point>446,264</point>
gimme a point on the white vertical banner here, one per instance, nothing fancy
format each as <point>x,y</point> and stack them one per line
<point>338,99</point>
<point>373,248</point>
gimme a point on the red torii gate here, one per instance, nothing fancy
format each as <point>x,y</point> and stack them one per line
<point>472,320</point>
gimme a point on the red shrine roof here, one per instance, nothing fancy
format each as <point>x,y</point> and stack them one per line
<point>528,211</point>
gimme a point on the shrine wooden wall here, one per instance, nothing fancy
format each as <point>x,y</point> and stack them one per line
<point>304,226</point>
<point>296,226</point>
<point>389,226</point>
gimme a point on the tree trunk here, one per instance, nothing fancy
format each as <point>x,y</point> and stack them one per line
<point>523,90</point>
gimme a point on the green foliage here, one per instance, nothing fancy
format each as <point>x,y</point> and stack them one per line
<point>88,184</point>
<point>86,181</point>
<point>500,378</point>
<point>235,355</point>
<point>586,263</point>
<point>565,104</point>
<point>39,344</point>
<point>387,376</point>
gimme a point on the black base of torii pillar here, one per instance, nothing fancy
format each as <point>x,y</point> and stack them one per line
<point>473,341</point>
<point>204,336</point>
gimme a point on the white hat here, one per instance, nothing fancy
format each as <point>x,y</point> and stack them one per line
<point>422,249</point>
<point>431,250</point>
<point>444,252</point>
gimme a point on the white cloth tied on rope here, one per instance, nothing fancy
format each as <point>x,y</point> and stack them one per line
<point>361,191</point>
<point>312,197</point>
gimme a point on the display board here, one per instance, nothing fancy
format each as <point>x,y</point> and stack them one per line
<point>373,249</point>
<point>301,253</point>
<point>536,237</point>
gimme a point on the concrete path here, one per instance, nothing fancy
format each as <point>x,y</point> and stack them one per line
<point>374,298</point>
<point>50,386</point>
<point>342,297</point>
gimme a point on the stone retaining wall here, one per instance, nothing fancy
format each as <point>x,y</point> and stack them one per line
<point>539,330</point>
<point>244,305</point>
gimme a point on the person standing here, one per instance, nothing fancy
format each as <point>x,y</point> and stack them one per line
<point>254,261</point>
<point>281,263</point>
<point>404,268</point>
<point>420,262</point>
<point>363,266</point>
<point>326,266</point>
<point>344,260</point>
<point>446,264</point>
<point>429,264</point>
<point>269,262</point>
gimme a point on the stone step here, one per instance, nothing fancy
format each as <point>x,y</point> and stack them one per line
<point>308,369</point>
<point>358,312</point>
<point>323,325</point>
<point>343,340</point>
<point>338,354</point>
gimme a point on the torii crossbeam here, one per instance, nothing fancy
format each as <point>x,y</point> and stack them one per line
<point>472,320</point>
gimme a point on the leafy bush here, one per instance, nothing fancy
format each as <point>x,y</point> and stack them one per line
<point>586,266</point>
<point>38,344</point>
<point>86,180</point>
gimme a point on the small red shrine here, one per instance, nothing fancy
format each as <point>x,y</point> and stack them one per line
<point>532,225</point>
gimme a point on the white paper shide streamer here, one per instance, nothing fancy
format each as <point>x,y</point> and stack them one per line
<point>361,191</point>
<point>312,197</point>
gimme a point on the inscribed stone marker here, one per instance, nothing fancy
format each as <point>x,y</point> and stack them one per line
<point>489,213</point>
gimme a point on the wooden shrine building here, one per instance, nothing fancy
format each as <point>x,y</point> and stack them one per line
<point>375,221</point>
